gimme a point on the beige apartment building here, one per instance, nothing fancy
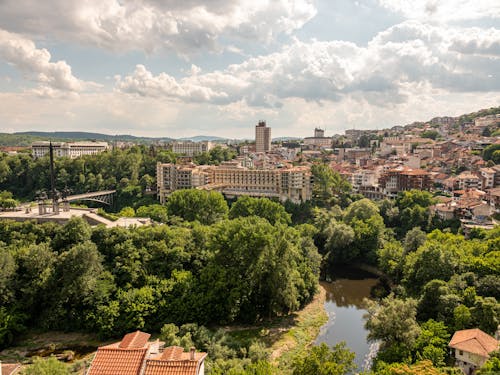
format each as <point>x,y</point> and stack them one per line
<point>190,148</point>
<point>233,180</point>
<point>262,137</point>
<point>68,149</point>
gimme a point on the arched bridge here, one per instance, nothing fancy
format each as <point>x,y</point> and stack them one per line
<point>105,197</point>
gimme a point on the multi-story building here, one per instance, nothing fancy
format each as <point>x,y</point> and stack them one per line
<point>319,139</point>
<point>262,137</point>
<point>403,178</point>
<point>234,180</point>
<point>363,178</point>
<point>171,177</point>
<point>190,148</point>
<point>68,149</point>
<point>488,178</point>
<point>467,180</point>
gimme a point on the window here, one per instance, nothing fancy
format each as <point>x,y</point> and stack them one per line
<point>461,352</point>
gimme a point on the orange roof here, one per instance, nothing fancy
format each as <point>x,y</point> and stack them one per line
<point>474,341</point>
<point>171,367</point>
<point>174,361</point>
<point>125,357</point>
<point>10,368</point>
<point>135,339</point>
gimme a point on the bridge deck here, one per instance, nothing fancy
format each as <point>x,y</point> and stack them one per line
<point>90,195</point>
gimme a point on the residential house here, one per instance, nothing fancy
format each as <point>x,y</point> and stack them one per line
<point>136,355</point>
<point>472,348</point>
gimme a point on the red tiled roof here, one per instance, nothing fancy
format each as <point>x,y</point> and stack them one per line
<point>172,353</point>
<point>174,361</point>
<point>125,357</point>
<point>171,368</point>
<point>474,341</point>
<point>135,339</point>
<point>10,368</point>
<point>109,361</point>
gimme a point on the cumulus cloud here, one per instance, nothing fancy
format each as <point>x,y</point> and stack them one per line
<point>181,26</point>
<point>444,10</point>
<point>53,77</point>
<point>408,53</point>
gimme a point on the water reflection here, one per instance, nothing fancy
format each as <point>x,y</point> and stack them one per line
<point>344,305</point>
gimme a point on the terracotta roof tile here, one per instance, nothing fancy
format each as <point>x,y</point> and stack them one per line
<point>125,357</point>
<point>474,341</point>
<point>10,368</point>
<point>135,339</point>
<point>108,361</point>
<point>174,361</point>
<point>172,353</point>
<point>171,367</point>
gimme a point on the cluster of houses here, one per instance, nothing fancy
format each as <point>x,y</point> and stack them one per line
<point>135,354</point>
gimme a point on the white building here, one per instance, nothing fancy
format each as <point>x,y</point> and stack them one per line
<point>68,149</point>
<point>190,148</point>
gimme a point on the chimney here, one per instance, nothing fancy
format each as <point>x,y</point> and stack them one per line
<point>191,353</point>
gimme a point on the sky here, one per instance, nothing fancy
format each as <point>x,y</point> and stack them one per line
<point>171,68</point>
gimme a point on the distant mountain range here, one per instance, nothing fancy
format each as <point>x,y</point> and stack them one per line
<point>203,138</point>
<point>88,136</point>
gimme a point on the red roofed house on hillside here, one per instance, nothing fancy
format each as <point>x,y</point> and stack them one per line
<point>135,355</point>
<point>472,348</point>
<point>125,357</point>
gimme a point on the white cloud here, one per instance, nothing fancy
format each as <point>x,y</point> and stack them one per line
<point>408,53</point>
<point>181,26</point>
<point>444,10</point>
<point>53,77</point>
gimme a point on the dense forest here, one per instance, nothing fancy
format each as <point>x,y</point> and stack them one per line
<point>130,171</point>
<point>208,262</point>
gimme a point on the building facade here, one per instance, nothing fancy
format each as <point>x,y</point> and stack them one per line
<point>233,180</point>
<point>262,137</point>
<point>395,180</point>
<point>190,148</point>
<point>68,149</point>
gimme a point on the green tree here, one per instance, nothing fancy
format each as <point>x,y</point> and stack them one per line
<point>49,366</point>
<point>11,325</point>
<point>8,270</point>
<point>258,270</point>
<point>321,360</point>
<point>432,342</point>
<point>393,321</point>
<point>492,365</point>
<point>274,212</point>
<point>462,318</point>
<point>192,204</point>
<point>391,259</point>
<point>74,232</point>
<point>489,151</point>
<point>486,314</point>
<point>340,237</point>
<point>156,212</point>
<point>327,184</point>
<point>414,239</point>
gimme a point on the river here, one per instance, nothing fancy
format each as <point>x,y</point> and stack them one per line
<point>344,305</point>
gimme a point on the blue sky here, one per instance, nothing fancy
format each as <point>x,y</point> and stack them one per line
<point>182,68</point>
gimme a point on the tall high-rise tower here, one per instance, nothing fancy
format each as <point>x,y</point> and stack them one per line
<point>262,137</point>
